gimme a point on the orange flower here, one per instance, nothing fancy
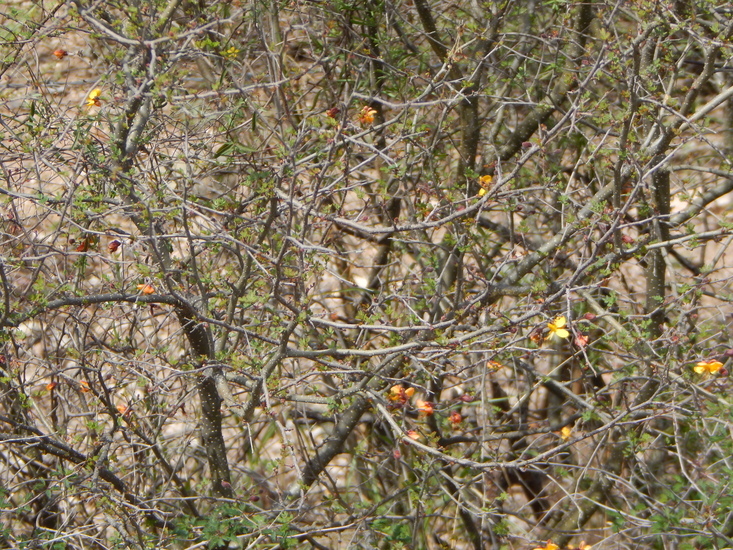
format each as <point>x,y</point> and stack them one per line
<point>712,366</point>
<point>399,393</point>
<point>550,546</point>
<point>93,98</point>
<point>333,112</point>
<point>60,53</point>
<point>146,288</point>
<point>84,386</point>
<point>51,385</point>
<point>494,365</point>
<point>412,434</point>
<point>455,419</point>
<point>425,408</point>
<point>366,115</point>
<point>125,411</point>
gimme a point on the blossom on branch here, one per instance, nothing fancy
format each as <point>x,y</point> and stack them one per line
<point>711,366</point>
<point>93,98</point>
<point>557,328</point>
<point>400,394</point>
<point>366,115</point>
<point>424,408</point>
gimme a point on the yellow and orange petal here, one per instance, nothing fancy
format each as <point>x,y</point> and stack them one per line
<point>93,98</point>
<point>550,546</point>
<point>146,288</point>
<point>712,366</point>
<point>395,392</point>
<point>366,115</point>
<point>425,408</point>
<point>484,182</point>
<point>494,365</point>
<point>399,393</point>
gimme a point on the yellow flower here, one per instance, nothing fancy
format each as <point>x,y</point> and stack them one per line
<point>93,98</point>
<point>557,328</point>
<point>366,115</point>
<point>484,182</point>
<point>231,53</point>
<point>566,432</point>
<point>712,366</point>
<point>550,546</point>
